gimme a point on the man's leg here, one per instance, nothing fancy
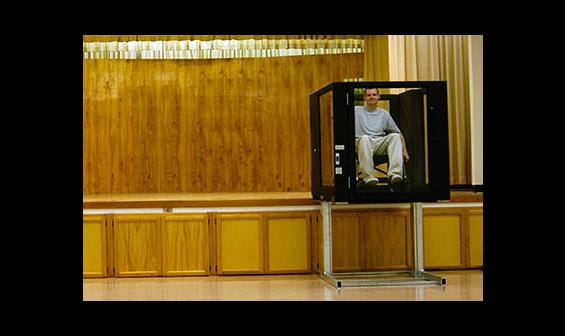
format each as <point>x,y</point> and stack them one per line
<point>365,155</point>
<point>391,144</point>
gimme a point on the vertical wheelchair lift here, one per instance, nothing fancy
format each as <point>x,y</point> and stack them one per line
<point>416,276</point>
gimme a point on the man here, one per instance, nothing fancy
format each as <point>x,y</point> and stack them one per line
<point>376,132</point>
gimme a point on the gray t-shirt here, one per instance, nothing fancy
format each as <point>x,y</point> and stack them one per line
<point>375,123</point>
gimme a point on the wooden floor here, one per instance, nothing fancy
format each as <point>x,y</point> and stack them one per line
<point>461,286</point>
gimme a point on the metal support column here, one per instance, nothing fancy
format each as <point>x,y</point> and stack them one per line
<point>417,276</point>
<point>418,225</point>
<point>327,237</point>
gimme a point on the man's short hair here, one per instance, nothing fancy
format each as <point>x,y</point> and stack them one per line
<point>365,92</point>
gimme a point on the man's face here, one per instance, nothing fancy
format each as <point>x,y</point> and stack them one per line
<point>371,96</point>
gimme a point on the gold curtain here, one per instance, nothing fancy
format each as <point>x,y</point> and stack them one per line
<point>125,38</point>
<point>375,59</point>
<point>216,46</point>
<point>440,57</point>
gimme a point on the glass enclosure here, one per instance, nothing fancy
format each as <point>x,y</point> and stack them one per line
<point>407,107</point>
<point>380,141</point>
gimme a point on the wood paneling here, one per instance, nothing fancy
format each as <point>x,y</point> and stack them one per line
<point>240,248</point>
<point>225,125</point>
<point>137,245</point>
<point>371,240</point>
<point>94,256</point>
<point>270,243</point>
<point>443,239</point>
<point>287,243</point>
<point>348,242</point>
<point>179,200</point>
<point>185,244</point>
<point>388,239</point>
<point>382,240</point>
<point>168,244</point>
<point>475,238</point>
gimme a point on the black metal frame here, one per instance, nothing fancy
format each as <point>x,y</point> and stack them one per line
<point>345,188</point>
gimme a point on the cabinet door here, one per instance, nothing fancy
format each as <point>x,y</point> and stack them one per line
<point>443,237</point>
<point>185,244</point>
<point>94,262</point>
<point>388,239</point>
<point>475,238</point>
<point>288,243</point>
<point>239,244</point>
<point>348,243</point>
<point>137,245</point>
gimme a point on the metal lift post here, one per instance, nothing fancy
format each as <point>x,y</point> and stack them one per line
<point>416,276</point>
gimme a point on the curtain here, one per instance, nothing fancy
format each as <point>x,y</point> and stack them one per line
<point>375,59</point>
<point>440,57</point>
<point>125,38</point>
<point>244,46</point>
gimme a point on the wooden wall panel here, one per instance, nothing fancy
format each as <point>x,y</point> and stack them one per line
<point>475,238</point>
<point>224,125</point>
<point>185,244</point>
<point>443,239</point>
<point>287,243</point>
<point>94,245</point>
<point>388,240</point>
<point>137,245</point>
<point>348,242</point>
<point>240,248</point>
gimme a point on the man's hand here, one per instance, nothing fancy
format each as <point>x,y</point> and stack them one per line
<point>405,155</point>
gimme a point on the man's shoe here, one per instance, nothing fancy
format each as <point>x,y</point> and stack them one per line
<point>373,183</point>
<point>395,180</point>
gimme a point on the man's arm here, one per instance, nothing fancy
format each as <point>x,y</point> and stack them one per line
<point>394,128</point>
<point>405,155</point>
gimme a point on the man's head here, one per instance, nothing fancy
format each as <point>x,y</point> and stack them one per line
<point>371,96</point>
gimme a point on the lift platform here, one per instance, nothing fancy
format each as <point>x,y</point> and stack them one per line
<point>415,276</point>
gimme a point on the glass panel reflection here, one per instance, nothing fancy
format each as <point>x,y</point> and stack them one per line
<point>327,139</point>
<point>390,140</point>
